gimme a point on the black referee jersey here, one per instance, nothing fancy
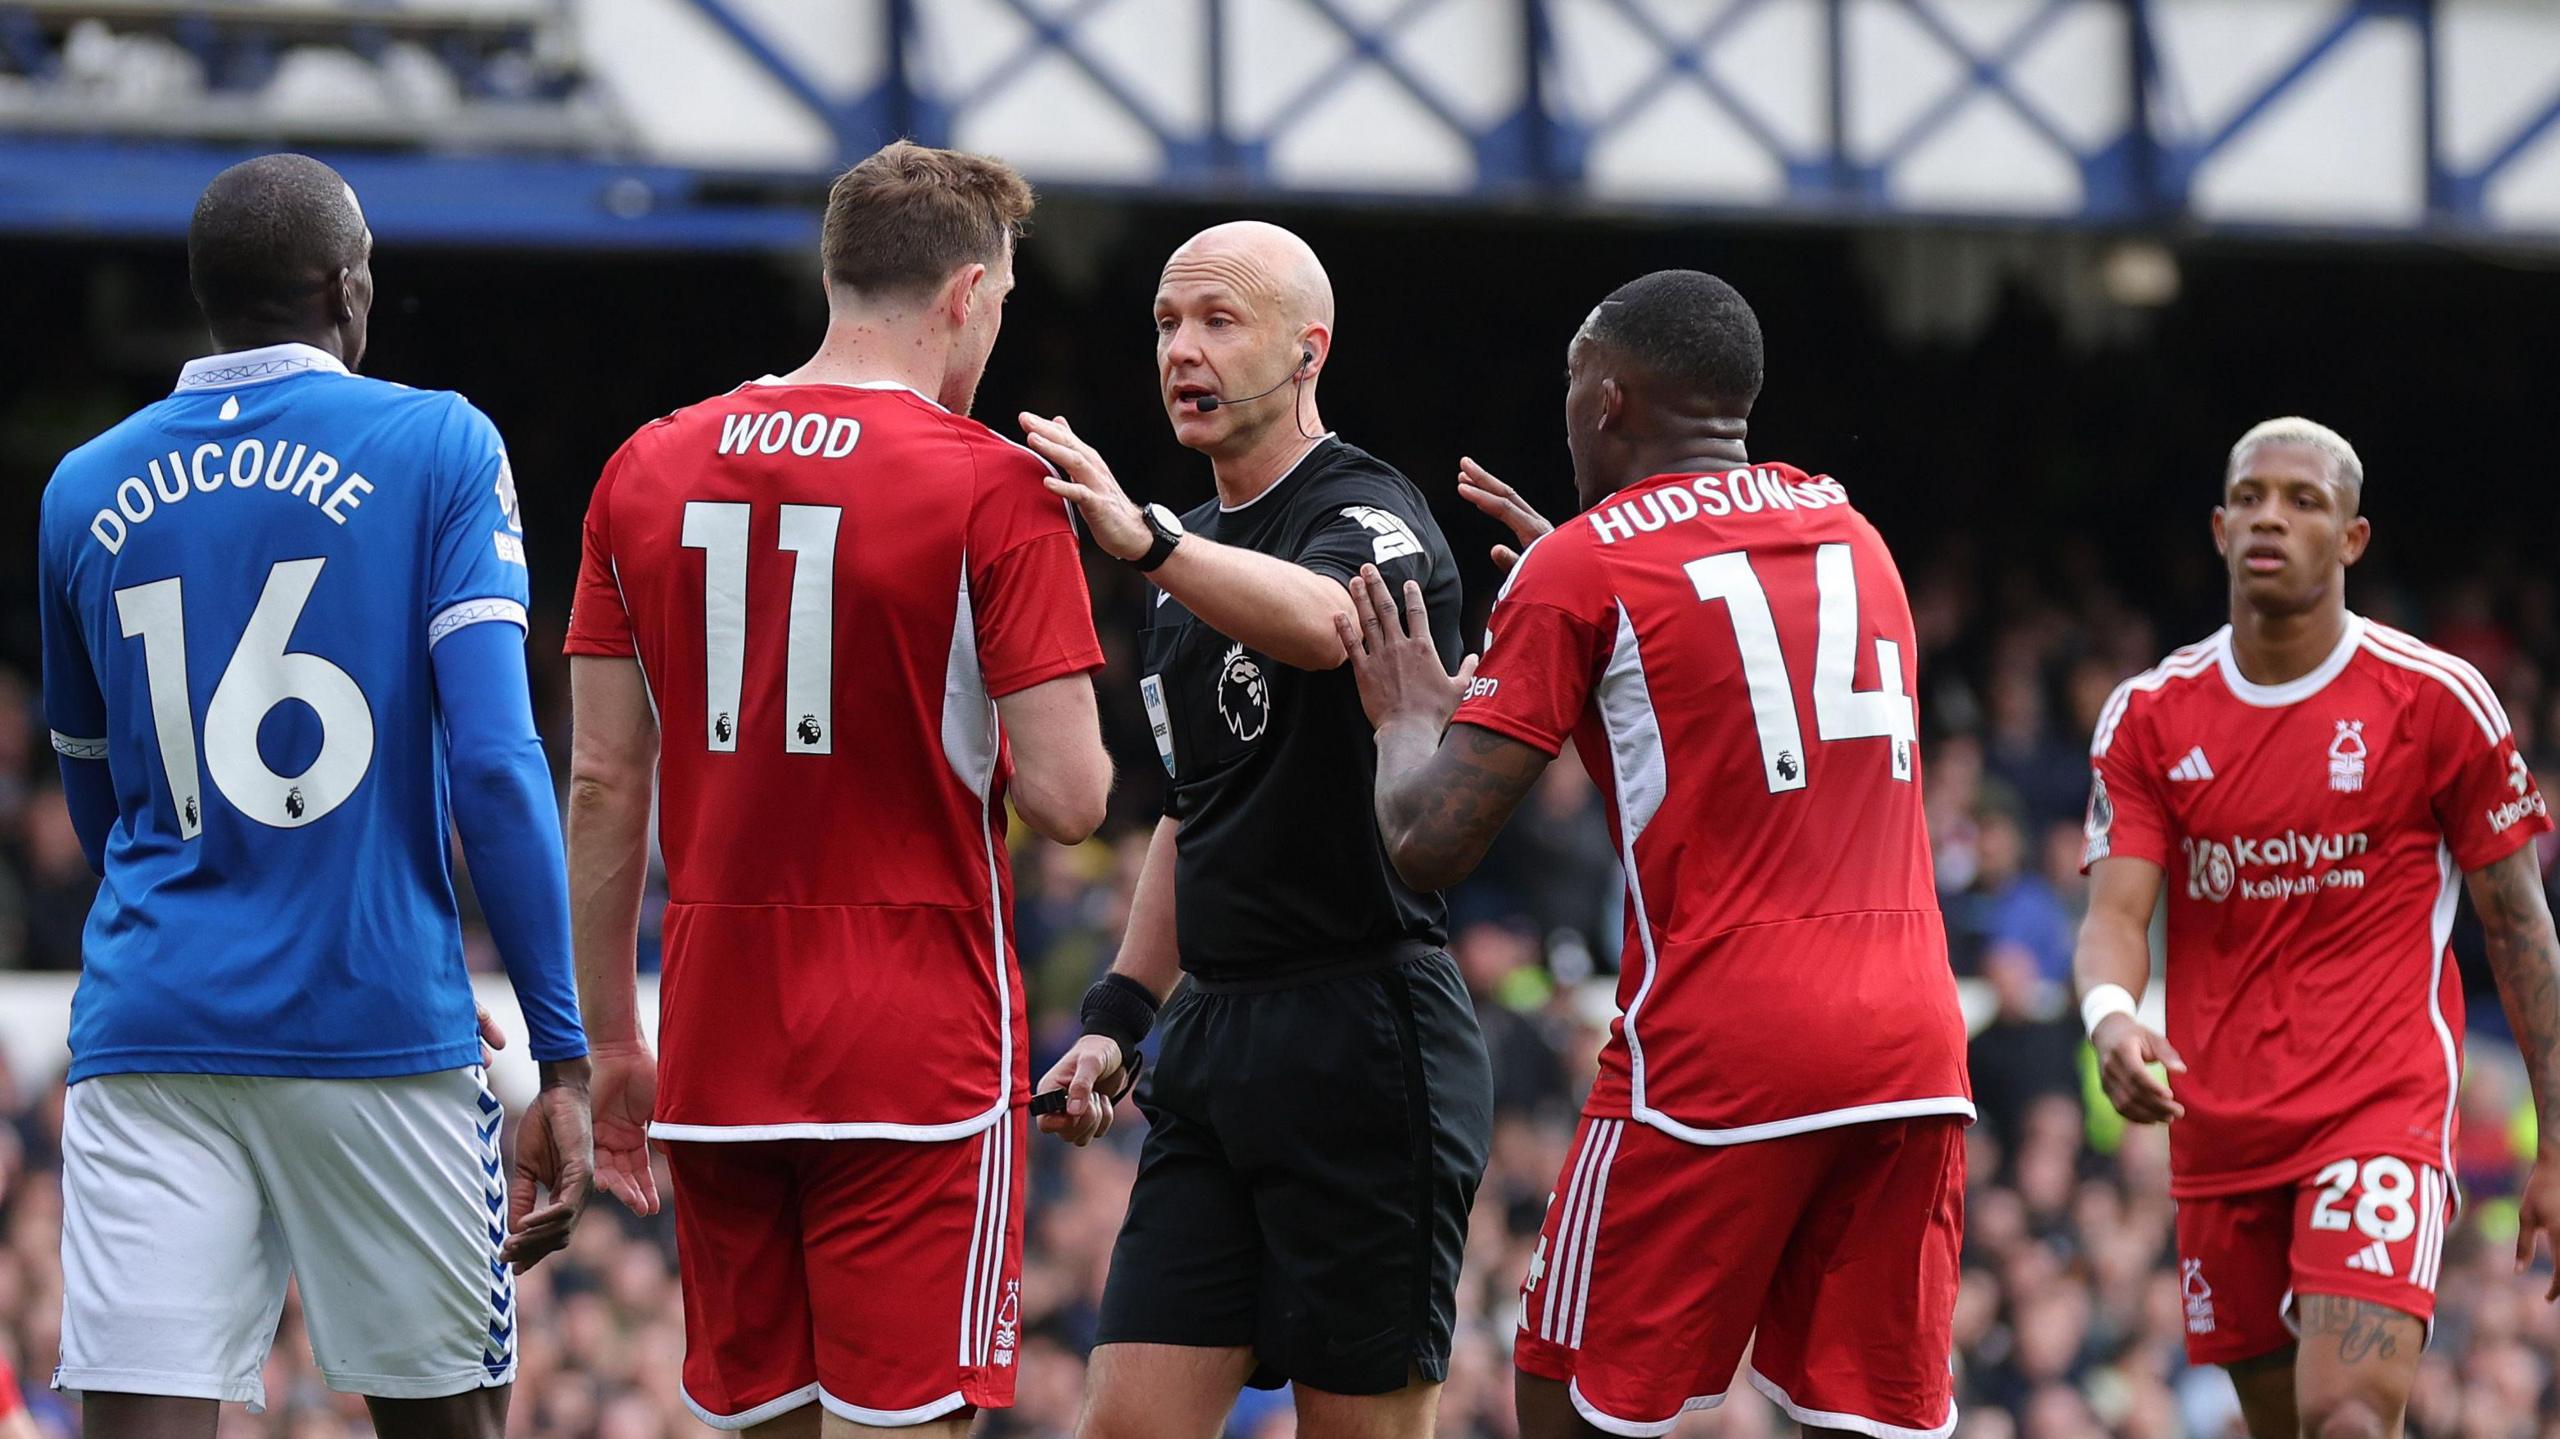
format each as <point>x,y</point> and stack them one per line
<point>1272,768</point>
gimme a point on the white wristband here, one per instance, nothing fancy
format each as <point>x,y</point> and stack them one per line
<point>2102,1001</point>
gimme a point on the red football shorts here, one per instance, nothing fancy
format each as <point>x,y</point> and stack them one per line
<point>880,1278</point>
<point>2368,1229</point>
<point>1840,1247</point>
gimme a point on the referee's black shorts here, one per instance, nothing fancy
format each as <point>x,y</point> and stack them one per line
<point>1312,1153</point>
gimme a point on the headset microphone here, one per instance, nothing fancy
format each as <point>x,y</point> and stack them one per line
<point>1208,403</point>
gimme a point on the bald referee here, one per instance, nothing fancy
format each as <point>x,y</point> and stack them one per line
<point>1321,1112</point>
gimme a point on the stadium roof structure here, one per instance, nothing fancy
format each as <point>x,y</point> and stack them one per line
<point>716,123</point>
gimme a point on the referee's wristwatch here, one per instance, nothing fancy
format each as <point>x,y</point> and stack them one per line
<point>1166,526</point>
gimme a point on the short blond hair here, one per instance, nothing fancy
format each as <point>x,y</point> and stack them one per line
<point>2295,430</point>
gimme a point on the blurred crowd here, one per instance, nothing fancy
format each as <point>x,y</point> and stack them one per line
<point>2071,1318</point>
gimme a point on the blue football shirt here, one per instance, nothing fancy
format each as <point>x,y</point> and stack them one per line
<point>241,586</point>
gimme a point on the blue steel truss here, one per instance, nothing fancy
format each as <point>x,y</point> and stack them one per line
<point>1537,151</point>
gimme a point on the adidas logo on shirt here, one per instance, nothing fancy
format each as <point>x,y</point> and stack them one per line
<point>2374,1258</point>
<point>2193,768</point>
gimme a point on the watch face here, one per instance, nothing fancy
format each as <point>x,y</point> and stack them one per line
<point>1165,518</point>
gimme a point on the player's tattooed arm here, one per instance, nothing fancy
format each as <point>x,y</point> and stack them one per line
<point>1440,805</point>
<point>2524,955</point>
<point>1443,791</point>
<point>2515,916</point>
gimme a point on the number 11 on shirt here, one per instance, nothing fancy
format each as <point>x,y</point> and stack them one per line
<point>719,530</point>
<point>1841,711</point>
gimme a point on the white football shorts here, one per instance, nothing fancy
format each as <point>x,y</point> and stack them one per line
<point>189,1199</point>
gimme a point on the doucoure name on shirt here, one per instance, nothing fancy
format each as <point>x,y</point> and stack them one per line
<point>1742,492</point>
<point>277,466</point>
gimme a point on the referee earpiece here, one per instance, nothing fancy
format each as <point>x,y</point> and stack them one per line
<point>1306,356</point>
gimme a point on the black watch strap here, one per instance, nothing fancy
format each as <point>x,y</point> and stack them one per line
<point>1161,550</point>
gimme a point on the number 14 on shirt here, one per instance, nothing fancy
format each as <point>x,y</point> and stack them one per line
<point>1841,711</point>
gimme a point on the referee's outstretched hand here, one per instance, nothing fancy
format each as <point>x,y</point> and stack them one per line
<point>1478,487</point>
<point>1080,1071</point>
<point>1085,481</point>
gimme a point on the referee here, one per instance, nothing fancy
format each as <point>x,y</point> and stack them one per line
<point>1322,1107</point>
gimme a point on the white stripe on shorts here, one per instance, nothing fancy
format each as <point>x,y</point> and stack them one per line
<point>2429,1259</point>
<point>977,1243</point>
<point>991,1287</point>
<point>1576,1190</point>
<point>1591,1246</point>
<point>1578,1235</point>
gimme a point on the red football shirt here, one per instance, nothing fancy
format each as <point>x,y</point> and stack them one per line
<point>1732,655</point>
<point>827,587</point>
<point>2314,837</point>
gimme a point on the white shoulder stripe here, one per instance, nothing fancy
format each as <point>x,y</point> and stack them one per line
<point>2492,721</point>
<point>2416,648</point>
<point>2452,664</point>
<point>2184,664</point>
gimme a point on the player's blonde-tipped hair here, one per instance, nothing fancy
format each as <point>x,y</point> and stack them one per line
<point>2295,430</point>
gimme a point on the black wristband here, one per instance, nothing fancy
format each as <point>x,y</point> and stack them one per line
<point>1119,1008</point>
<point>1157,553</point>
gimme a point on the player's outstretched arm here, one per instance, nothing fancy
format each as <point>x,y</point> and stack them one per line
<point>2524,955</point>
<point>613,762</point>
<point>1278,607</point>
<point>1479,487</point>
<point>1061,781</point>
<point>1444,791</point>
<point>2112,966</point>
<point>510,829</point>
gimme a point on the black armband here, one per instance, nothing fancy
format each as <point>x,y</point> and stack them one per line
<point>1121,1009</point>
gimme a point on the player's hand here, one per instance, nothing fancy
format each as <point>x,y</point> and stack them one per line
<point>1082,1072</point>
<point>1478,487</point>
<point>2126,1052</point>
<point>1393,659</point>
<point>2538,1214</point>
<point>626,1089</point>
<point>1108,511</point>
<point>555,1155</point>
<point>492,1037</point>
